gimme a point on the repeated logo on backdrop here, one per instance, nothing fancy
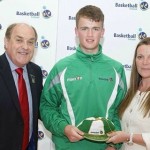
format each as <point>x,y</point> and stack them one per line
<point>125,36</point>
<point>128,67</point>
<point>40,135</point>
<point>44,43</point>
<point>28,13</point>
<point>144,5</point>
<point>142,34</point>
<point>44,73</point>
<point>46,13</point>
<point>131,6</point>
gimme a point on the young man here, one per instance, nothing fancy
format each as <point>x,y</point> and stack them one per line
<point>85,84</point>
<point>19,100</point>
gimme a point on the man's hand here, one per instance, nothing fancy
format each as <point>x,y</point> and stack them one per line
<point>73,133</point>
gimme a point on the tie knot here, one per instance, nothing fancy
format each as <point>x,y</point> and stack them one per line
<point>19,71</point>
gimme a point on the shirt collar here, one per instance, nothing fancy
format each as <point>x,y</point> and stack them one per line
<point>12,65</point>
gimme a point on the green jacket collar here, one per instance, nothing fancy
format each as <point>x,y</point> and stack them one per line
<point>92,57</point>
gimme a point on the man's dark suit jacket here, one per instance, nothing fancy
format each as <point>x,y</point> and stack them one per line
<point>11,122</point>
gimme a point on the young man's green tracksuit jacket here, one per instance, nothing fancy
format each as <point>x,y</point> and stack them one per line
<point>80,86</point>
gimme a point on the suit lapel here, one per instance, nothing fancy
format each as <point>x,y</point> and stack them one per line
<point>7,76</point>
<point>32,80</point>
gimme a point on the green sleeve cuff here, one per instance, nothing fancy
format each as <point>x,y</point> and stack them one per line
<point>62,126</point>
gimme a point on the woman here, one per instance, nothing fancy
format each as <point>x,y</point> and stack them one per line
<point>134,110</point>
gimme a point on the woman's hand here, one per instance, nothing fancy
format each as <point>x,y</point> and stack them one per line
<point>118,137</point>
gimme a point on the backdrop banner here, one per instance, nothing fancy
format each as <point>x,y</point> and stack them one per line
<point>126,23</point>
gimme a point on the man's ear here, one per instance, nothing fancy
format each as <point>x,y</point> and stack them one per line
<point>5,42</point>
<point>102,34</point>
<point>76,31</point>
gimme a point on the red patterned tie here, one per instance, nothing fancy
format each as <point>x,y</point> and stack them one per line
<point>23,98</point>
